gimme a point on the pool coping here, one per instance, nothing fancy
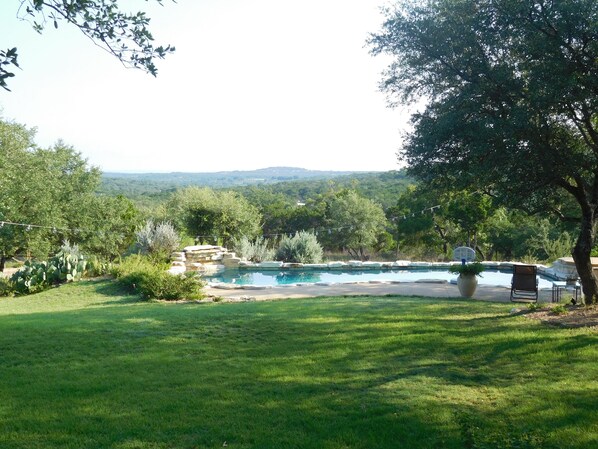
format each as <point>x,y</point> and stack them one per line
<point>423,289</point>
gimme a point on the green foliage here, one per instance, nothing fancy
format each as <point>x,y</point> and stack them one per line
<point>134,262</point>
<point>106,225</point>
<point>257,250</point>
<point>534,306</point>
<point>158,239</point>
<point>549,244</point>
<point>382,188</point>
<point>213,216</point>
<point>509,233</point>
<point>151,280</point>
<point>559,309</point>
<point>36,276</point>
<point>275,195</point>
<point>384,372</point>
<point>7,287</point>
<point>125,35</point>
<point>28,193</point>
<point>511,105</point>
<point>265,178</point>
<point>53,189</point>
<point>96,266</point>
<point>355,222</point>
<point>7,57</point>
<point>303,247</point>
<point>422,235</point>
<point>469,210</point>
<point>468,269</point>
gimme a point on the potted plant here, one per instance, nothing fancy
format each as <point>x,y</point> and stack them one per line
<point>467,280</point>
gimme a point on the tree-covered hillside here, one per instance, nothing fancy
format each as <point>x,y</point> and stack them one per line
<point>383,188</point>
<point>295,184</point>
<point>156,182</point>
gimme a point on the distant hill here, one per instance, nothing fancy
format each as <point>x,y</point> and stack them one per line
<point>147,183</point>
<point>295,184</point>
<point>224,178</point>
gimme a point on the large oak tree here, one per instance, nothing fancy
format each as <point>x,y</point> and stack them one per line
<point>511,90</point>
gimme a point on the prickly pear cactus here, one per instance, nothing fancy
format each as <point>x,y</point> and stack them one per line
<point>37,276</point>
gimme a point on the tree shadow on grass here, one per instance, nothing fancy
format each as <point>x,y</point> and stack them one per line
<point>112,288</point>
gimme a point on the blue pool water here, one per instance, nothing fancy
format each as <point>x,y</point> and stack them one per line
<point>273,278</point>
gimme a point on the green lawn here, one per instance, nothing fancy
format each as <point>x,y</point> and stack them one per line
<point>85,366</point>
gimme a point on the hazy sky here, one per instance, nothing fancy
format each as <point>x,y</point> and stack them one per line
<point>253,83</point>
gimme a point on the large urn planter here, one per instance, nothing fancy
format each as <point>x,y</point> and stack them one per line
<point>467,284</point>
<point>467,280</point>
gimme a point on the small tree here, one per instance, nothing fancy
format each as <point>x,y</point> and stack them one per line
<point>355,223</point>
<point>213,215</point>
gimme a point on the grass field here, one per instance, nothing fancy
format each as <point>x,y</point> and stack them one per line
<point>85,366</point>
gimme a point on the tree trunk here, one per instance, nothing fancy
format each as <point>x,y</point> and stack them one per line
<point>2,263</point>
<point>480,252</point>
<point>583,262</point>
<point>443,238</point>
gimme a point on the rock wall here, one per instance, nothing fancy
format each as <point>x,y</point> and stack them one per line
<point>205,259</point>
<point>564,268</point>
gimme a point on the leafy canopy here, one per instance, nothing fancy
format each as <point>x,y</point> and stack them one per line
<point>212,216</point>
<point>50,192</point>
<point>512,91</point>
<point>124,35</point>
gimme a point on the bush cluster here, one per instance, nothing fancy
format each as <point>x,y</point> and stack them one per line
<point>158,239</point>
<point>6,287</point>
<point>303,247</point>
<point>141,275</point>
<point>255,251</point>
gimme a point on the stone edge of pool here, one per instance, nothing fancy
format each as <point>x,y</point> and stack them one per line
<point>427,288</point>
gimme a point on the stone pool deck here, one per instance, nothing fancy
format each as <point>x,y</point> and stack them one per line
<point>431,289</point>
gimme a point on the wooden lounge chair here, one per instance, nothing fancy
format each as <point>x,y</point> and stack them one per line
<point>524,284</point>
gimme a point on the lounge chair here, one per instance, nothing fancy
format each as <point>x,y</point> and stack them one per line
<point>524,284</point>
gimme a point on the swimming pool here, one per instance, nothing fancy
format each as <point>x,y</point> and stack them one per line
<point>297,276</point>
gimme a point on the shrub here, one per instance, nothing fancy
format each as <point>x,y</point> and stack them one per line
<point>134,262</point>
<point>151,280</point>
<point>532,307</point>
<point>303,247</point>
<point>158,239</point>
<point>254,251</point>
<point>97,266</point>
<point>559,309</point>
<point>6,286</point>
<point>66,266</point>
